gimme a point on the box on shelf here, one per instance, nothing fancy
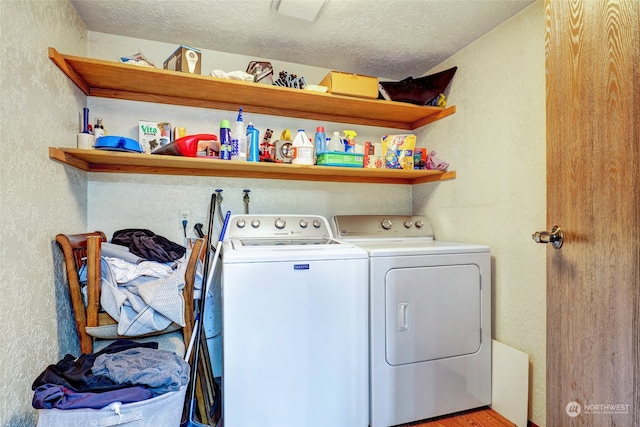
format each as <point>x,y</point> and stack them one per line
<point>340,83</point>
<point>373,158</point>
<point>153,135</point>
<point>185,59</point>
<point>337,158</point>
<point>420,158</point>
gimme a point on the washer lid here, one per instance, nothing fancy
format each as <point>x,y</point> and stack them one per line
<point>382,226</point>
<point>285,250</point>
<point>284,242</point>
<point>406,247</point>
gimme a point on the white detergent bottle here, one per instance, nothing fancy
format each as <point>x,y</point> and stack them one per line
<point>336,143</point>
<point>302,149</point>
<point>239,140</point>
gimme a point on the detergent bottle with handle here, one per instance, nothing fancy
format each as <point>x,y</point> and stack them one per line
<point>302,149</point>
<point>335,144</point>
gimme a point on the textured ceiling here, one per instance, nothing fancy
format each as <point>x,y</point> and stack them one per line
<point>385,38</point>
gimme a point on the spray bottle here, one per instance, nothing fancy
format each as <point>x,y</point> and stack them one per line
<point>350,145</point>
<point>239,140</point>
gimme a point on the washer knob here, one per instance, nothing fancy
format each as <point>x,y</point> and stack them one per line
<point>317,223</point>
<point>303,223</point>
<point>386,224</point>
<point>240,223</point>
<point>280,223</point>
<point>419,223</point>
<point>408,223</point>
<point>255,223</point>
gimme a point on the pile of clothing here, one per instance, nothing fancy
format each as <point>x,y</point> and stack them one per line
<point>125,372</point>
<point>142,281</point>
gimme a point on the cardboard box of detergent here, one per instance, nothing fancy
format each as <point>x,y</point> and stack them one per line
<point>398,151</point>
<point>153,135</point>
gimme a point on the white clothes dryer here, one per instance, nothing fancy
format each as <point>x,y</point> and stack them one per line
<point>430,319</point>
<point>295,324</point>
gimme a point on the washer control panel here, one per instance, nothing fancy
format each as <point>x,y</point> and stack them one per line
<point>382,226</point>
<point>269,226</point>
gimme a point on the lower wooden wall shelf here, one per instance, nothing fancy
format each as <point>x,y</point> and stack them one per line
<point>120,162</point>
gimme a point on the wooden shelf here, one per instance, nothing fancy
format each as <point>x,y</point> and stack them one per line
<point>120,162</point>
<point>109,79</point>
<point>121,81</point>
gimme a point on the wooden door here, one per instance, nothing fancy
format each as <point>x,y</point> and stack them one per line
<point>593,193</point>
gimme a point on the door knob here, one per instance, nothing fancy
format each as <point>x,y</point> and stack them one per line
<point>554,237</point>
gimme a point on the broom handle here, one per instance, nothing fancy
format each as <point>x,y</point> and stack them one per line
<point>207,286</point>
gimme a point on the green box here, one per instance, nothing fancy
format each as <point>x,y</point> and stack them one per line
<point>337,158</point>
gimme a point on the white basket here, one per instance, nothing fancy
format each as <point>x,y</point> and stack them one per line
<point>162,411</point>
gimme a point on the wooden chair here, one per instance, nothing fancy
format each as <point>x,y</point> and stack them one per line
<point>97,329</point>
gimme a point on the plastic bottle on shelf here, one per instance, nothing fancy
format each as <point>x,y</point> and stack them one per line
<point>336,143</point>
<point>253,143</point>
<point>320,140</point>
<point>350,144</point>
<point>98,129</point>
<point>225,140</point>
<point>239,140</point>
<point>302,149</point>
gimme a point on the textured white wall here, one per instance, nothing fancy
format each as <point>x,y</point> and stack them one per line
<point>154,202</point>
<point>40,198</point>
<point>496,143</point>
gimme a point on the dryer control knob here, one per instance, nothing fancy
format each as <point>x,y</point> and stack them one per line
<point>317,223</point>
<point>255,223</point>
<point>386,224</point>
<point>419,223</point>
<point>240,223</point>
<point>408,224</point>
<point>280,223</point>
<point>303,223</point>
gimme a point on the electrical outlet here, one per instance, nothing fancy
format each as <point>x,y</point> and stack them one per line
<point>185,216</point>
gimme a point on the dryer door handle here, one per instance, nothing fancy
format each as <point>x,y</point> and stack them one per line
<point>403,316</point>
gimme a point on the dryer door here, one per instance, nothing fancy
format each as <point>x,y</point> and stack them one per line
<point>432,313</point>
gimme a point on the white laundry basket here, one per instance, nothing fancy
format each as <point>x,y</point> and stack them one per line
<point>162,411</point>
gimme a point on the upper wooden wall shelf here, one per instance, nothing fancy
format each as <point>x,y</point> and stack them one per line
<point>109,161</point>
<point>109,79</point>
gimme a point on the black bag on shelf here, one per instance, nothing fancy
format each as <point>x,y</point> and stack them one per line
<point>420,91</point>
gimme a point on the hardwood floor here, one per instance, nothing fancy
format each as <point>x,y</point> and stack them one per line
<point>482,417</point>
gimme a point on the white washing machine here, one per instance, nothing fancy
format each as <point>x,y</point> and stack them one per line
<point>295,325</point>
<point>430,319</point>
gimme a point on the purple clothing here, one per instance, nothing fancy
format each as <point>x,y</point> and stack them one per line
<point>50,396</point>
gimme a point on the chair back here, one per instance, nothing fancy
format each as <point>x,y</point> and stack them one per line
<point>87,247</point>
<point>74,250</point>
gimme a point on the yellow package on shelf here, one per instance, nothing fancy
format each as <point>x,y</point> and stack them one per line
<point>340,83</point>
